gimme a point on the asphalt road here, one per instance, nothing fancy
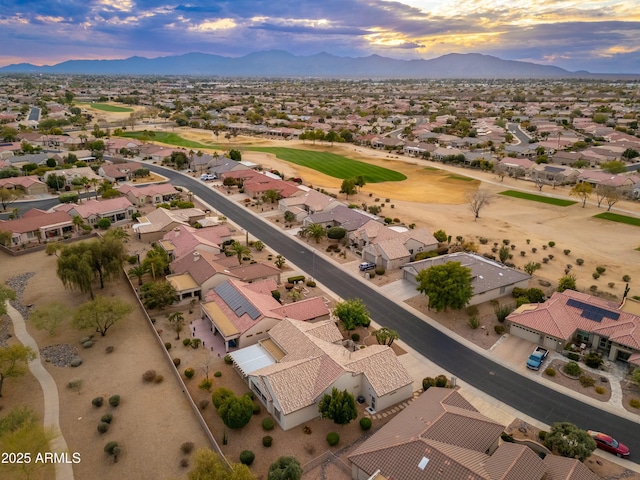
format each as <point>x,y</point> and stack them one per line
<point>524,395</point>
<point>529,397</point>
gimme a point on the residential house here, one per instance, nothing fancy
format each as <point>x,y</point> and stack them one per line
<point>441,153</point>
<point>341,216</point>
<point>29,185</point>
<point>119,172</point>
<point>300,362</point>
<point>586,321</point>
<point>441,435</point>
<point>490,279</point>
<point>257,186</point>
<point>71,174</point>
<point>419,149</point>
<point>222,165</point>
<point>598,177</point>
<point>511,165</point>
<point>566,158</point>
<point>183,239</point>
<point>116,144</point>
<point>308,202</point>
<point>152,194</point>
<point>19,161</point>
<point>153,226</point>
<point>37,225</point>
<point>554,175</point>
<point>118,210</point>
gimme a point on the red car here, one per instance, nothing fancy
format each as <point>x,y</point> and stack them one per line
<point>609,444</point>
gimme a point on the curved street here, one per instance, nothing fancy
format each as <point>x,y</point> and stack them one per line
<point>480,371</point>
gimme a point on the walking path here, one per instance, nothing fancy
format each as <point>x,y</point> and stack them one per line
<point>64,471</point>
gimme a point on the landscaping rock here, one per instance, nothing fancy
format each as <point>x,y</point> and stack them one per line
<point>59,355</point>
<point>87,344</point>
<point>76,362</point>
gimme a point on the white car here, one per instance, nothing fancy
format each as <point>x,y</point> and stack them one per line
<point>207,176</point>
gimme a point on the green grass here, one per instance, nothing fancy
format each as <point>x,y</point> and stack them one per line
<point>333,165</point>
<point>168,138</point>
<point>537,198</point>
<point>614,217</point>
<point>110,108</point>
<point>460,177</point>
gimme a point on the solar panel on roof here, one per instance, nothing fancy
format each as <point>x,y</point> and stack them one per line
<point>592,312</point>
<point>236,301</point>
<point>553,169</point>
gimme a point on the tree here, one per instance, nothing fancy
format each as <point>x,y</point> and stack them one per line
<point>156,261</point>
<point>315,231</point>
<point>629,154</point>
<point>567,440</point>
<point>477,201</point>
<point>447,285</point>
<point>582,191</point>
<point>348,187</point>
<point>138,271</point>
<point>285,468</point>
<point>74,269</point>
<point>5,238</point>
<point>567,282</point>
<point>209,466</point>
<point>78,222</point>
<point>101,313</point>
<point>8,196</point>
<point>239,250</point>
<point>352,313</point>
<point>612,197</point>
<point>176,320</point>
<point>158,294</point>
<point>386,336</point>
<point>339,407</point>
<point>440,236</point>
<point>5,294</point>
<point>236,412</point>
<point>531,267</point>
<point>271,195</point>
<point>614,167</point>
<point>49,317</point>
<point>13,360</point>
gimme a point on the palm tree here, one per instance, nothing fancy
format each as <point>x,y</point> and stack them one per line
<point>78,222</point>
<point>177,323</point>
<point>315,231</point>
<point>157,261</point>
<point>139,271</point>
<point>239,250</point>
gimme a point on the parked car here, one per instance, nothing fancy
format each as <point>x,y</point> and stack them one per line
<point>536,358</point>
<point>364,266</point>
<point>207,176</point>
<point>609,444</point>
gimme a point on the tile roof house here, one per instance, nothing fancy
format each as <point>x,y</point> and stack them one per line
<point>574,317</point>
<point>118,172</point>
<point>300,362</point>
<point>599,177</point>
<point>491,279</point>
<point>257,186</point>
<point>37,225</point>
<point>30,185</point>
<point>441,435</point>
<point>149,194</point>
<point>117,210</point>
<point>153,226</point>
<point>341,216</point>
<point>183,239</point>
<point>307,202</point>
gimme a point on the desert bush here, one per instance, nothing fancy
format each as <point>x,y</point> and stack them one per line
<point>483,240</point>
<point>593,360</point>
<point>148,376</point>
<point>103,427</point>
<point>310,283</point>
<point>595,275</point>
<point>256,409</point>
<point>355,337</point>
<point>114,400</point>
<point>268,423</point>
<point>542,435</point>
<point>206,384</point>
<point>534,249</point>
<point>332,439</point>
<point>506,437</point>
<point>106,418</point>
<point>267,441</point>
<point>579,261</point>
<point>220,396</point>
<point>522,253</point>
<point>552,244</point>
<point>611,284</point>
<point>217,374</point>
<point>158,379</point>
<point>186,342</point>
<point>626,278</point>
<point>428,382</point>
<point>506,241</point>
<point>247,457</point>
<point>502,311</point>
<point>167,345</point>
<point>365,423</point>
<point>587,381</point>
<point>176,362</point>
<point>379,270</point>
<point>184,462</point>
<point>600,270</point>
<point>593,288</point>
<point>499,329</point>
<point>473,323</point>
<point>110,447</point>
<point>189,372</point>
<point>441,381</point>
<point>97,402</point>
<point>634,402</point>
<point>186,448</point>
<point>550,371</point>
<point>601,390</point>
<point>573,356</point>
<point>566,251</point>
<point>204,403</point>
<point>228,360</point>
<point>573,369</point>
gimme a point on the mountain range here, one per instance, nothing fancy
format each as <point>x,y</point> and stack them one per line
<point>276,63</point>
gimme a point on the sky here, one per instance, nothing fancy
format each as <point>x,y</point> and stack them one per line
<point>600,36</point>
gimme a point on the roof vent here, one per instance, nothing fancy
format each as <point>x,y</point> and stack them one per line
<point>196,256</point>
<point>423,463</point>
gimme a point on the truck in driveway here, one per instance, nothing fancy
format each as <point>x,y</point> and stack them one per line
<point>536,358</point>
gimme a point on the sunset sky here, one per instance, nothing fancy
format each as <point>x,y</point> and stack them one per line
<point>600,36</point>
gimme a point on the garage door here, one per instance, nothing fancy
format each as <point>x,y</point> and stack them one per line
<point>525,333</point>
<point>550,343</point>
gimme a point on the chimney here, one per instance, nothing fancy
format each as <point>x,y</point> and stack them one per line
<point>196,256</point>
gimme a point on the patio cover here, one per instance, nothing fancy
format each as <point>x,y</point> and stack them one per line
<point>252,358</point>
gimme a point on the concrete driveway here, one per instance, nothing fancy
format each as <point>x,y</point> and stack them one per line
<point>514,351</point>
<point>399,290</point>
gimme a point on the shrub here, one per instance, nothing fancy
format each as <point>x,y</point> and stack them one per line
<point>566,251</point>
<point>158,379</point>
<point>428,382</point>
<point>204,403</point>
<point>542,435</point>
<point>365,423</point>
<point>573,369</point>
<point>256,409</point>
<point>332,439</point>
<point>482,240</point>
<point>114,400</point>
<point>218,374</point>
<point>595,275</point>
<point>206,384</point>
<point>186,342</point>
<point>267,441</point>
<point>441,381</point>
<point>380,270</point>
<point>600,390</point>
<point>228,360</point>
<point>552,244</point>
<point>593,288</point>
<point>626,278</point>
<point>502,312</point>
<point>97,402</point>
<point>148,376</point>
<point>189,372</point>
<point>167,345</point>
<point>184,462</point>
<point>611,284</point>
<point>247,457</point>
<point>573,356</point>
<point>176,362</point>
<point>601,270</point>
<point>634,402</point>
<point>473,323</point>
<point>355,337</point>
<point>587,381</point>
<point>579,261</point>
<point>506,437</point>
<point>186,448</point>
<point>593,360</point>
<point>550,371</point>
<point>103,427</point>
<point>106,418</point>
<point>111,447</point>
<point>499,329</point>
<point>506,241</point>
<point>268,423</point>
<point>310,283</point>
<point>220,396</point>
